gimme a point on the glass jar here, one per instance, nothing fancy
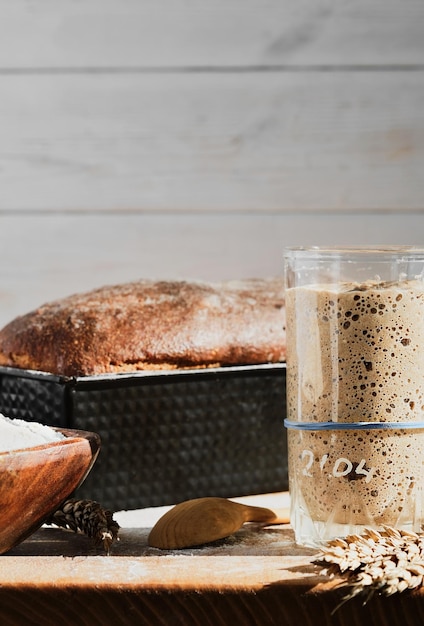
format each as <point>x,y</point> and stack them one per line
<point>355,389</point>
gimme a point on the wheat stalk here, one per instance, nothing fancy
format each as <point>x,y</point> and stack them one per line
<point>385,561</point>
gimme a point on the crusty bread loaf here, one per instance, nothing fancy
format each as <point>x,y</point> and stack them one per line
<point>148,325</point>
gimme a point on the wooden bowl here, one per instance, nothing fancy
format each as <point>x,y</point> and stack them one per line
<point>35,481</point>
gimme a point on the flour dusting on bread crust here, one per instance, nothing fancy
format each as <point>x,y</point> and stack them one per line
<point>147,324</point>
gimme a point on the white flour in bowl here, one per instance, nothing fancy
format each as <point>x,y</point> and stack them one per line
<point>16,434</point>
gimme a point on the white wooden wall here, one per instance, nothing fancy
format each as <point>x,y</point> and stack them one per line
<point>198,138</point>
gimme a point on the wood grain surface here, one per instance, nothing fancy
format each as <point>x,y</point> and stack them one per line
<point>165,138</point>
<point>35,481</point>
<point>213,142</point>
<point>175,33</point>
<point>257,576</point>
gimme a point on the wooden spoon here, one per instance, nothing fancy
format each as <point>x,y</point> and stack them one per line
<point>203,520</point>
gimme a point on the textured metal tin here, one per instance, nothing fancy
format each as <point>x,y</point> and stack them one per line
<point>166,436</point>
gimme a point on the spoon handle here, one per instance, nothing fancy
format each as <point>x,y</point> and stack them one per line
<point>258,514</point>
<point>261,514</point>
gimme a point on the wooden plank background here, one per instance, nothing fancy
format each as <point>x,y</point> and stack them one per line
<point>184,139</point>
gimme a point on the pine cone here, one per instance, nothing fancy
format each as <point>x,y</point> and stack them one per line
<point>88,517</point>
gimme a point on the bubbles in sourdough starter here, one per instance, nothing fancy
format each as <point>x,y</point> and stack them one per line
<point>367,342</point>
<point>357,477</point>
<point>358,358</point>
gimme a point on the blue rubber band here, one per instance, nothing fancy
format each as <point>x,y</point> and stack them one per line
<point>353,425</point>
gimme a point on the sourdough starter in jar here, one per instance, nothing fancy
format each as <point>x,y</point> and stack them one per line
<point>355,355</point>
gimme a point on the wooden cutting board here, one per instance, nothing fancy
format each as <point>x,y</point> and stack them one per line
<point>258,576</point>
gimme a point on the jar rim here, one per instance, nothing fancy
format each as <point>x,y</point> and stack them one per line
<point>355,250</point>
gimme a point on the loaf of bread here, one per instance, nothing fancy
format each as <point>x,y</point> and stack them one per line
<point>151,325</point>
